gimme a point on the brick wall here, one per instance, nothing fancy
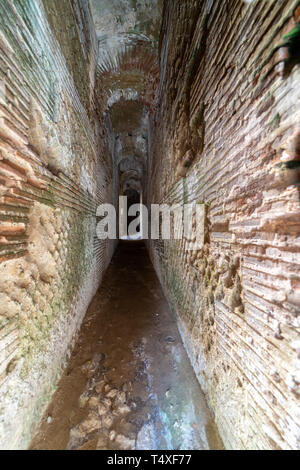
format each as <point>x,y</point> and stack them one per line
<point>54,170</point>
<point>226,134</point>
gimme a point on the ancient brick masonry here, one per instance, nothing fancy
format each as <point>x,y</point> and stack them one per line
<point>211,119</point>
<point>54,170</point>
<point>226,134</point>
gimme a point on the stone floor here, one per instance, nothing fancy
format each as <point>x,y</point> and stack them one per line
<point>129,383</point>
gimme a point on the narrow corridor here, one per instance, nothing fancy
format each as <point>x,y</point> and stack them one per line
<point>178,119</point>
<point>129,383</point>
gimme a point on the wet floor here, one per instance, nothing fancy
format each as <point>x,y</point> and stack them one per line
<point>129,383</point>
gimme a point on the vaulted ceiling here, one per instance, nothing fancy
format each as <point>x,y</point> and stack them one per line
<point>128,33</point>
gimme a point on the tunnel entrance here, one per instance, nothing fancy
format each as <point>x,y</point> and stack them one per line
<point>133,222</point>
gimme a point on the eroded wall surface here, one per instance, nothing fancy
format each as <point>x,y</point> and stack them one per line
<point>55,168</point>
<point>226,135</point>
